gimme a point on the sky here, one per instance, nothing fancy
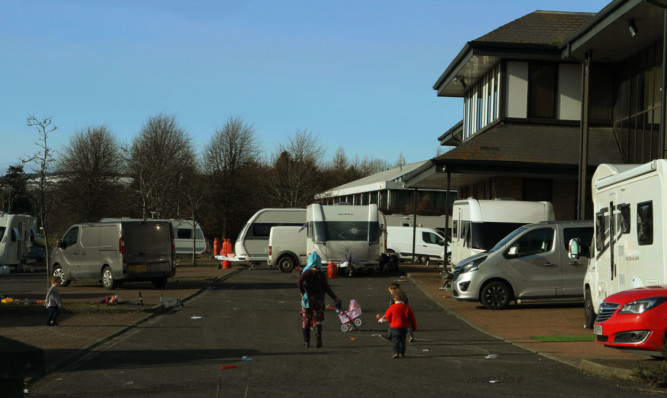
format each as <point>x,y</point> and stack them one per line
<point>355,74</point>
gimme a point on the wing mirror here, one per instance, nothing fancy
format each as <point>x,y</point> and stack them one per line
<point>574,249</point>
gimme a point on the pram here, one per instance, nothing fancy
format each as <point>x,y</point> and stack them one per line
<point>350,319</point>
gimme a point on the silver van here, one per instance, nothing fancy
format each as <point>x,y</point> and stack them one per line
<point>113,252</point>
<point>529,264</point>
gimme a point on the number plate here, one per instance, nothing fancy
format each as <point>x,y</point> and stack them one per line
<point>141,267</point>
<point>597,329</point>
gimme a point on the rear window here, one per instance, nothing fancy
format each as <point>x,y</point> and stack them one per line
<point>346,231</point>
<point>147,237</point>
<point>2,232</point>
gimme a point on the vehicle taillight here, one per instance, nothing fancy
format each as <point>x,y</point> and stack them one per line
<point>121,245</point>
<point>270,250</point>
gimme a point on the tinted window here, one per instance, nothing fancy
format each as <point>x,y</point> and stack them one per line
<point>624,222</point>
<point>346,231</point>
<point>645,223</point>
<point>71,236</point>
<point>585,235</point>
<point>430,237</point>
<point>542,91</point>
<point>535,242</point>
<point>600,230</point>
<point>485,235</point>
<point>262,230</point>
<point>183,233</point>
<point>148,238</point>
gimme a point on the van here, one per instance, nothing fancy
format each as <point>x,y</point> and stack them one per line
<point>287,247</point>
<point>477,225</point>
<point>184,241</point>
<point>630,241</point>
<point>115,252</point>
<point>252,244</point>
<point>350,236</point>
<point>529,264</point>
<point>428,243</point>
<point>17,232</point>
<point>435,222</point>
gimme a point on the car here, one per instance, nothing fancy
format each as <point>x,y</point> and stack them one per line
<point>634,320</point>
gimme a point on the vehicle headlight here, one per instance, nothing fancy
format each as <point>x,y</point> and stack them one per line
<point>641,306</point>
<point>473,265</point>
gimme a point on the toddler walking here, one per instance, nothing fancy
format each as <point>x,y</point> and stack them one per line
<point>53,302</point>
<point>400,318</point>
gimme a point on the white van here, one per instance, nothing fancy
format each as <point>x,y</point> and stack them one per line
<point>17,232</point>
<point>352,237</point>
<point>428,243</point>
<point>630,241</point>
<point>287,247</point>
<point>433,222</point>
<point>183,237</point>
<point>252,244</point>
<point>477,225</point>
<point>113,252</point>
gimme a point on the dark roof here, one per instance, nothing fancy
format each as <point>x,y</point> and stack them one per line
<point>539,27</point>
<point>517,143</point>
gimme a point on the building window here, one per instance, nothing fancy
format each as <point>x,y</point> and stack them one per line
<point>542,90</point>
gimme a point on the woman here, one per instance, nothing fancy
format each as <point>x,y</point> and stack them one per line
<point>313,285</point>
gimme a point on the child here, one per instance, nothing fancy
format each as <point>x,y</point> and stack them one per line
<point>400,318</point>
<point>393,288</point>
<point>53,302</point>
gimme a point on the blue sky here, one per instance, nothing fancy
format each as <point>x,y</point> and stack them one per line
<point>356,74</point>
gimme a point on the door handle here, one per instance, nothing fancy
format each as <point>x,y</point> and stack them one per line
<point>548,264</point>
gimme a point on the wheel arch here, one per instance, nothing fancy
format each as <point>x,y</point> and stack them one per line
<point>495,279</point>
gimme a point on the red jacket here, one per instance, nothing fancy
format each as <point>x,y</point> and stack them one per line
<point>400,316</point>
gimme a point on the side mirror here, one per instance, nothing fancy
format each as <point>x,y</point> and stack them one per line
<point>574,249</point>
<point>61,244</point>
<point>513,252</point>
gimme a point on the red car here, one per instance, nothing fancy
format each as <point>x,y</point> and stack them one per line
<point>634,320</point>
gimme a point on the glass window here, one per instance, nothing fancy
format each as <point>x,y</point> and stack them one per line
<point>542,90</point>
<point>2,232</point>
<point>600,231</point>
<point>645,223</point>
<point>535,242</point>
<point>454,225</point>
<point>430,237</point>
<point>71,236</point>
<point>585,236</point>
<point>486,234</point>
<point>624,222</point>
<point>184,233</point>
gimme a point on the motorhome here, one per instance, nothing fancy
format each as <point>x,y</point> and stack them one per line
<point>287,247</point>
<point>114,252</point>
<point>352,237</point>
<point>184,241</point>
<point>477,225</point>
<point>252,244</point>
<point>17,232</point>
<point>425,243</point>
<point>630,232</point>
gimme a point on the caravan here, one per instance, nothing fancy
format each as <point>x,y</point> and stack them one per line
<point>17,232</point>
<point>252,244</point>
<point>477,225</point>
<point>630,238</point>
<point>352,237</point>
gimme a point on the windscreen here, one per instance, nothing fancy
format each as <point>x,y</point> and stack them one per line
<point>2,232</point>
<point>346,231</point>
<point>148,238</point>
<point>486,234</point>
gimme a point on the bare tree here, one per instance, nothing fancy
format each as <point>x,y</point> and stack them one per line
<point>297,172</point>
<point>44,159</point>
<point>194,191</point>
<point>158,158</point>
<point>231,162</point>
<point>90,166</point>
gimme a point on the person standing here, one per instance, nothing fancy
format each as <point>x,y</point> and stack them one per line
<point>313,286</point>
<point>53,302</point>
<point>400,318</point>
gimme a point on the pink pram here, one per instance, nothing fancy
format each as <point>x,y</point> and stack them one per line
<point>350,319</point>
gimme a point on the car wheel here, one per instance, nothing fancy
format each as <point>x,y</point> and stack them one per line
<point>449,258</point>
<point>108,280</point>
<point>286,264</point>
<point>589,310</point>
<point>159,283</point>
<point>496,295</point>
<point>59,273</point>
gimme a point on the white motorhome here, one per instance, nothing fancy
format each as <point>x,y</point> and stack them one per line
<point>183,239</point>
<point>287,247</point>
<point>17,232</point>
<point>477,225</point>
<point>252,244</point>
<point>352,237</point>
<point>630,232</point>
<point>429,244</point>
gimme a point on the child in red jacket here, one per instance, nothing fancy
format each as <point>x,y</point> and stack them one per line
<point>400,318</point>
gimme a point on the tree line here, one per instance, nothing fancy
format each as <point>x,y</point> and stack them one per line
<point>159,174</point>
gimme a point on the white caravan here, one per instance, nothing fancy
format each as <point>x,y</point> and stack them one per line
<point>252,244</point>
<point>477,225</point>
<point>183,240</point>
<point>352,237</point>
<point>428,243</point>
<point>17,232</point>
<point>630,237</point>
